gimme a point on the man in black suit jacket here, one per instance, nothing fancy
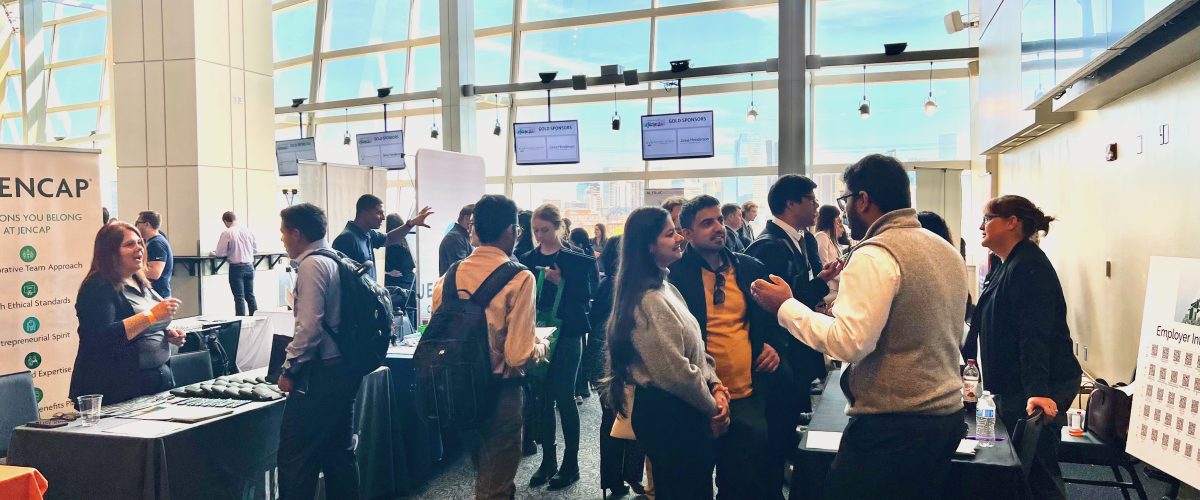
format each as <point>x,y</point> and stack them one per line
<point>794,207</point>
<point>742,338</point>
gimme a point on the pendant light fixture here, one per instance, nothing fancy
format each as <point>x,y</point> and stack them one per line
<point>930,103</point>
<point>864,107</point>
<point>496,129</point>
<point>346,122</point>
<point>433,129</point>
<point>752,113</point>
<point>616,119</point>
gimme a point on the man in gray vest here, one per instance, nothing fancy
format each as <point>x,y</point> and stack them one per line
<point>897,322</point>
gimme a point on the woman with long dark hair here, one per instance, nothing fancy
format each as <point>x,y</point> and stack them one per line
<point>830,232</point>
<point>600,240</point>
<point>654,344</point>
<point>579,239</point>
<point>574,273</point>
<point>525,238</point>
<point>124,338</point>
<point>1024,341</point>
<point>400,267</point>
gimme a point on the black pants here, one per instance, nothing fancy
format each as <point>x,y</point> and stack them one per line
<point>678,439</point>
<point>621,460</point>
<point>241,282</point>
<point>1045,476</point>
<point>895,456</point>
<point>786,399</point>
<point>744,458</point>
<point>155,380</point>
<point>559,390</point>
<point>317,434</point>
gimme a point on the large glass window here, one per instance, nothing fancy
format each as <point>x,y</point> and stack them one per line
<point>585,203</point>
<point>11,131</point>
<point>294,30</point>
<point>493,13</point>
<point>491,147</point>
<point>582,50</point>
<point>75,84</point>
<point>71,124</point>
<point>78,40</point>
<point>727,189</point>
<point>493,56</point>
<point>360,76</point>
<point>737,142</point>
<point>427,68</point>
<point>854,27</point>
<point>538,10</point>
<point>355,23</point>
<point>897,126</point>
<point>428,16</point>
<point>291,83</point>
<point>53,11</point>
<point>718,38</point>
<point>12,95</point>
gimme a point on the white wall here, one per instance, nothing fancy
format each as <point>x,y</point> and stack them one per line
<point>1123,211</point>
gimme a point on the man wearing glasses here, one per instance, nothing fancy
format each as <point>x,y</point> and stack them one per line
<point>456,245</point>
<point>897,322</point>
<point>738,334</point>
<point>789,251</point>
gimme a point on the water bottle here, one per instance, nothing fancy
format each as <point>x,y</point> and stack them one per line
<point>985,421</point>
<point>970,387</point>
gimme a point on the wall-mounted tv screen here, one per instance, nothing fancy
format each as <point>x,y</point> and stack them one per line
<point>678,135</point>
<point>288,152</point>
<point>546,143</point>
<point>381,149</point>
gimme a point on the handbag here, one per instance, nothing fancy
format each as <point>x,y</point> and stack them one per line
<point>622,427</point>
<point>1108,410</point>
<point>547,319</point>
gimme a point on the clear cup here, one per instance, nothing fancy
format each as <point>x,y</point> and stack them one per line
<point>1075,418</point>
<point>89,408</point>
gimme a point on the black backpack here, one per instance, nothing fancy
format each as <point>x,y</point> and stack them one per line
<point>366,329</point>
<point>455,383</point>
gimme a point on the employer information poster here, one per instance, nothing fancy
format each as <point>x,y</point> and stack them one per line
<point>1166,401</point>
<point>49,214</point>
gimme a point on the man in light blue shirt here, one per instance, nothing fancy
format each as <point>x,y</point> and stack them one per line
<point>238,246</point>
<point>316,434</point>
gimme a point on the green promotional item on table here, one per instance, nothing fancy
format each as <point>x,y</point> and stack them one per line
<point>547,319</point>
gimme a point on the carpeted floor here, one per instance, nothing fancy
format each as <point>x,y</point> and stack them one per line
<point>457,479</point>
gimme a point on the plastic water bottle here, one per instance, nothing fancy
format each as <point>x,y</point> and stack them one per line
<point>970,388</point>
<point>985,421</point>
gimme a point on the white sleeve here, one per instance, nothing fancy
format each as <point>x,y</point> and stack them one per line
<point>868,285</point>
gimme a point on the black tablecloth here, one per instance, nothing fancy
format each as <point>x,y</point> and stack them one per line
<point>992,473</point>
<point>420,444</point>
<point>232,456</point>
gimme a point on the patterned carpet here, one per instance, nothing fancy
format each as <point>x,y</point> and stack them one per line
<point>457,480</point>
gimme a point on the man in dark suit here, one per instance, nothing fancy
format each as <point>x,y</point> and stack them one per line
<point>740,336</point>
<point>787,250</point>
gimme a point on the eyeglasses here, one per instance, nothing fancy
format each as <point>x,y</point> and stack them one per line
<point>844,201</point>
<point>988,218</point>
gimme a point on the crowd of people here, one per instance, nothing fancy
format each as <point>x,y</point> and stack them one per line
<point>702,338</point>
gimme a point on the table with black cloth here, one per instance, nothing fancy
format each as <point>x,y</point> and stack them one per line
<point>232,456</point>
<point>420,442</point>
<point>992,473</point>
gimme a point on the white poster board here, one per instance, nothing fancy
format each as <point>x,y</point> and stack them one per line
<point>381,149</point>
<point>446,182</point>
<point>1164,421</point>
<point>336,188</point>
<point>49,215</point>
<point>656,197</point>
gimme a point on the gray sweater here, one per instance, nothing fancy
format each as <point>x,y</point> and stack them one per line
<point>670,354</point>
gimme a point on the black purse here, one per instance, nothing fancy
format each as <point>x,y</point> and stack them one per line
<point>1108,412</point>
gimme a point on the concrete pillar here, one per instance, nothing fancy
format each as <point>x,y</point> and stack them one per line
<point>193,120</point>
<point>33,59</point>
<point>458,69</point>
<point>793,47</point>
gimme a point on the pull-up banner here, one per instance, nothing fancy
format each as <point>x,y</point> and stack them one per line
<point>49,216</point>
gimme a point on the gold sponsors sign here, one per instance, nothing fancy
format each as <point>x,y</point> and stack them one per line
<point>49,216</point>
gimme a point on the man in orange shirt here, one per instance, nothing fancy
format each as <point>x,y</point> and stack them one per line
<point>741,338</point>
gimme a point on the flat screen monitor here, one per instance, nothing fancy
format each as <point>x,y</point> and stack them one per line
<point>678,135</point>
<point>289,152</point>
<point>546,143</point>
<point>381,149</point>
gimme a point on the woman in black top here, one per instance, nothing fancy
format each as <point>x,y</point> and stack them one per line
<point>1025,344</point>
<point>525,240</point>
<point>575,272</point>
<point>123,324</point>
<point>400,267</point>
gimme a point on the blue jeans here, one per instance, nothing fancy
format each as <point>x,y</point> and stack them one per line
<point>241,282</point>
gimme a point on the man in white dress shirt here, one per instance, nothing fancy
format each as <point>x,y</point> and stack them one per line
<point>238,246</point>
<point>897,322</point>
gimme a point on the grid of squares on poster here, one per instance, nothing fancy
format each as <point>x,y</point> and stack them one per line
<point>1169,402</point>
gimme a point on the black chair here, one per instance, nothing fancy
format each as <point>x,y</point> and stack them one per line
<point>18,405</point>
<point>1090,450</point>
<point>1025,439</point>
<point>191,367</point>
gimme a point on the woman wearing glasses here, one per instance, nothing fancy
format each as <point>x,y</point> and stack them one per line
<point>123,323</point>
<point>654,344</point>
<point>1021,322</point>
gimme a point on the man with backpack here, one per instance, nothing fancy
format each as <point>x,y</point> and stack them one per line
<point>487,282</point>
<point>316,433</point>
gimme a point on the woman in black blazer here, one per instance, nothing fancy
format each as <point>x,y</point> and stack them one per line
<point>1021,322</point>
<point>123,323</point>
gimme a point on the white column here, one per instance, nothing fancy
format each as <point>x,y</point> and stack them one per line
<point>793,39</point>
<point>458,69</point>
